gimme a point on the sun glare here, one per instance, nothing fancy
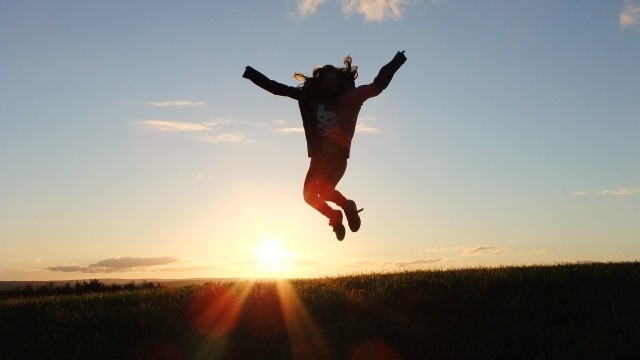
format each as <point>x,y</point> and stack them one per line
<point>272,256</point>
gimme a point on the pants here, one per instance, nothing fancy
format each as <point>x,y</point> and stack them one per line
<point>320,183</point>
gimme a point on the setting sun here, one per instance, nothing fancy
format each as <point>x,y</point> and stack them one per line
<point>272,256</point>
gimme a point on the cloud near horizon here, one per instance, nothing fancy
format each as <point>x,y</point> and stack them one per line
<point>179,104</point>
<point>115,265</point>
<point>173,126</point>
<point>420,262</point>
<point>362,126</point>
<point>371,10</point>
<point>617,192</point>
<point>202,131</point>
<point>386,265</point>
<point>621,192</point>
<point>484,249</point>
<point>630,15</point>
<point>544,251</point>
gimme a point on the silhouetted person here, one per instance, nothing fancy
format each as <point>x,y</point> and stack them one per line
<point>329,105</point>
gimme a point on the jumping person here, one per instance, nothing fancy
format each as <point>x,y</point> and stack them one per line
<point>329,104</point>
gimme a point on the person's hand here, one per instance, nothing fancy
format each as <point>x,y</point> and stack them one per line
<point>400,56</point>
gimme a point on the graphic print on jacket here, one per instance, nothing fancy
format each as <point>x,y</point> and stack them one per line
<point>325,119</point>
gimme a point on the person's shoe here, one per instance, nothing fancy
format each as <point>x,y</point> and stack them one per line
<point>336,223</point>
<point>353,218</point>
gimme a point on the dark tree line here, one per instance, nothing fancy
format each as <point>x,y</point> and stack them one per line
<point>79,288</point>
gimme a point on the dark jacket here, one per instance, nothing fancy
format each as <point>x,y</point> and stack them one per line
<point>329,125</point>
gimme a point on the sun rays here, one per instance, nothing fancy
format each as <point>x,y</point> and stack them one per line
<point>305,338</point>
<point>268,310</point>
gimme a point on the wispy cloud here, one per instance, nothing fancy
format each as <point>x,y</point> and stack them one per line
<point>543,251</point>
<point>375,10</point>
<point>621,192</point>
<point>173,126</point>
<point>420,262</point>
<point>225,138</point>
<point>114,265</point>
<point>203,132</point>
<point>174,104</point>
<point>630,15</point>
<point>484,249</point>
<point>374,265</point>
<point>372,10</point>
<point>472,249</point>
<point>308,7</point>
<point>578,193</point>
<point>282,127</point>
<point>363,126</point>
<point>289,130</point>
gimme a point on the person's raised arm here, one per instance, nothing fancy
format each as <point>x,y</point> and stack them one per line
<point>386,72</point>
<point>269,85</point>
<point>383,79</point>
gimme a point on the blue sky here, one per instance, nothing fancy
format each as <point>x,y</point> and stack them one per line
<point>132,148</point>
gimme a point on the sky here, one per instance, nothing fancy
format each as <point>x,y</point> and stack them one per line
<point>131,147</point>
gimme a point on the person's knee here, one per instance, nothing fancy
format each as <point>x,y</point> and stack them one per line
<point>325,192</point>
<point>310,195</point>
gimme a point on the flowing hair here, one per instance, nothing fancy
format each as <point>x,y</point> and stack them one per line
<point>347,75</point>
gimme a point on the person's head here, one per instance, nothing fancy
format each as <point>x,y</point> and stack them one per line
<point>328,77</point>
<point>329,80</point>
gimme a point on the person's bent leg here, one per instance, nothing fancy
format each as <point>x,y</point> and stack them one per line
<point>313,185</point>
<point>311,197</point>
<point>334,172</point>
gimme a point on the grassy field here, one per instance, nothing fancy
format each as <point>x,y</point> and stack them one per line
<point>570,311</point>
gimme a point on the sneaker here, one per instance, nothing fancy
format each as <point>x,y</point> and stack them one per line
<point>336,223</point>
<point>351,210</point>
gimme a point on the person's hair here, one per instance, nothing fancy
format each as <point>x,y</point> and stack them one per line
<point>347,75</point>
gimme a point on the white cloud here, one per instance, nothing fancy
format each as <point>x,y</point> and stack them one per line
<point>203,132</point>
<point>630,16</point>
<point>578,193</point>
<point>372,10</point>
<point>282,128</point>
<point>174,126</point>
<point>289,130</point>
<point>225,138</point>
<point>621,192</point>
<point>173,103</point>
<point>361,127</point>
<point>364,128</point>
<point>307,7</point>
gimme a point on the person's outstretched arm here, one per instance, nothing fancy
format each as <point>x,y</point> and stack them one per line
<point>384,77</point>
<point>386,72</point>
<point>271,86</point>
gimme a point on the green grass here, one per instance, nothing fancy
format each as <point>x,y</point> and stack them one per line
<point>570,311</point>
